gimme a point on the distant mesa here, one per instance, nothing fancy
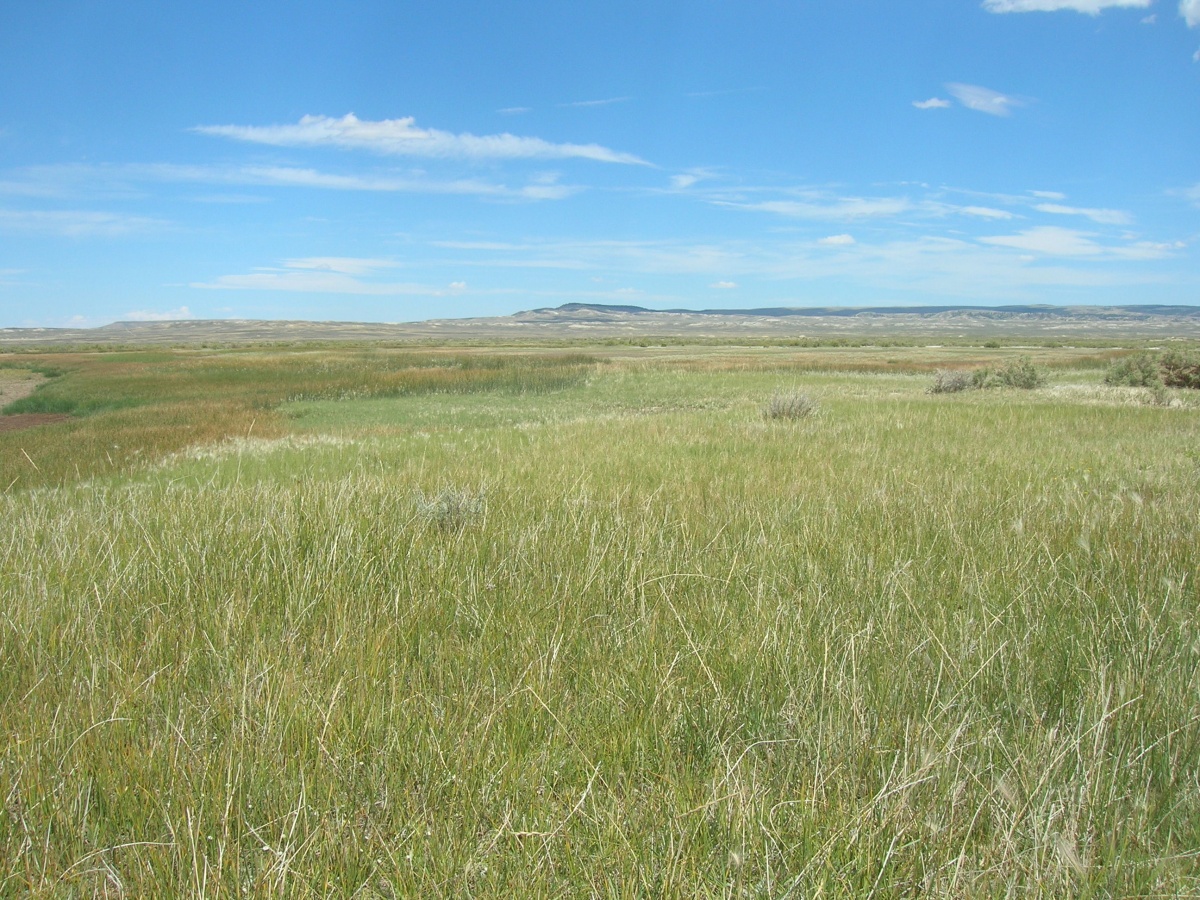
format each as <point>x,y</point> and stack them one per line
<point>843,311</point>
<point>603,321</point>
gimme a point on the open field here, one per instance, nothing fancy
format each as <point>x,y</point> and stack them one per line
<point>367,621</point>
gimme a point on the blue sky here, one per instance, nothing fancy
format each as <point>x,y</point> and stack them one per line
<point>396,161</point>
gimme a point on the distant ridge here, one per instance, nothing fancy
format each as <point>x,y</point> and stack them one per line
<point>812,311</point>
<point>602,321</point>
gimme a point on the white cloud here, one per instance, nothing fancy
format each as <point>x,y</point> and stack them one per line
<point>288,176</point>
<point>682,182</point>
<point>840,208</point>
<point>1091,7</point>
<point>314,283</point>
<point>982,99</point>
<point>148,315</point>
<point>1150,19</point>
<point>1048,195</point>
<point>907,270</point>
<point>1048,240</point>
<point>1190,10</point>
<point>322,275</point>
<point>77,223</point>
<point>458,285</point>
<point>837,240</point>
<point>1051,240</point>
<point>724,285</point>
<point>401,137</point>
<point>1100,216</point>
<point>606,102</point>
<point>105,180</point>
<point>514,110</point>
<point>346,265</point>
<point>932,103</point>
<point>985,212</point>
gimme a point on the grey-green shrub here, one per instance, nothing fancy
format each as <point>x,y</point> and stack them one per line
<point>1141,370</point>
<point>1021,373</point>
<point>789,406</point>
<point>950,381</point>
<point>451,509</point>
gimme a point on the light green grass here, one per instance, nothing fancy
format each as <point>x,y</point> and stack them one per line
<point>909,646</point>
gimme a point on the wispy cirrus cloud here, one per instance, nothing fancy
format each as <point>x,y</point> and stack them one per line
<point>607,101</point>
<point>1052,240</point>
<point>1020,267</point>
<point>326,275</point>
<point>985,212</point>
<point>827,210</point>
<point>402,137</point>
<point>983,100</point>
<point>345,265</point>
<point>151,315</point>
<point>1099,216</point>
<point>122,180</point>
<point>1090,7</point>
<point>932,103</point>
<point>77,223</point>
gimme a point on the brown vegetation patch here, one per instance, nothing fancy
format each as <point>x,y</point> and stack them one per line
<point>30,420</point>
<point>16,384</point>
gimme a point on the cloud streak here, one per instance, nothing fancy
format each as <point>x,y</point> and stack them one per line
<point>982,99</point>
<point>58,181</point>
<point>324,275</point>
<point>1099,216</point>
<point>1089,7</point>
<point>839,209</point>
<point>1052,240</point>
<point>77,223</point>
<point>402,137</point>
<point>149,315</point>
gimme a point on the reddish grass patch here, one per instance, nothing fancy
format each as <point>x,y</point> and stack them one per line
<point>30,420</point>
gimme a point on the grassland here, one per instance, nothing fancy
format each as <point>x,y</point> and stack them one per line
<point>382,622</point>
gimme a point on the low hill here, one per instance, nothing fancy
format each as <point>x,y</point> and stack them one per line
<point>588,320</point>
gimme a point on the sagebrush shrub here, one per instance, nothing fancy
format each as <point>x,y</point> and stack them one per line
<point>451,509</point>
<point>1181,369</point>
<point>1135,371</point>
<point>1021,373</point>
<point>789,406</point>
<point>950,381</point>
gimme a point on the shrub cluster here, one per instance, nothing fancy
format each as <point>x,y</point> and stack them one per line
<point>789,406</point>
<point>950,381</point>
<point>451,509</point>
<point>1175,368</point>
<point>1181,369</point>
<point>1135,371</point>
<point>1021,373</point>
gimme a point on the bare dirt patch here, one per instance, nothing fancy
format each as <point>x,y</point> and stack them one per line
<point>30,420</point>
<point>14,385</point>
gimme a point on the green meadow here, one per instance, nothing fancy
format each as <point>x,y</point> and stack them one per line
<point>375,622</point>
